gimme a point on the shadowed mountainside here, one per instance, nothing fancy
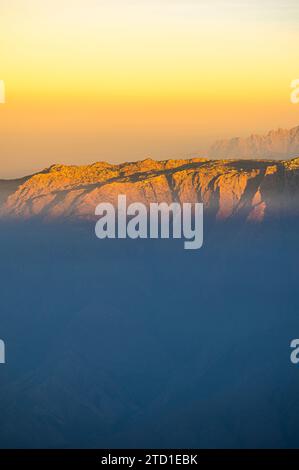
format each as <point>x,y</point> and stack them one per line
<point>247,189</point>
<point>142,344</point>
<point>8,187</point>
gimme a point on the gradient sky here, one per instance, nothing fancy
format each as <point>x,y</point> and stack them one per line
<point>118,80</point>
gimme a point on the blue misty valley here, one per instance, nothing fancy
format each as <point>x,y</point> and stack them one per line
<point>140,343</point>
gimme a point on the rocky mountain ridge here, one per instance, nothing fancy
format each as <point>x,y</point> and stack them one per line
<point>250,189</point>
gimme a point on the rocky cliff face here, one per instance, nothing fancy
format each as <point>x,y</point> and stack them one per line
<point>249,189</point>
<point>277,144</point>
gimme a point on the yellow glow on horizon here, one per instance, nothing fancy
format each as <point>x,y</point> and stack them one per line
<point>97,68</point>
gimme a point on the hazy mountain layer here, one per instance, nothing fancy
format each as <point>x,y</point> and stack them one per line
<point>140,343</point>
<point>248,189</point>
<point>277,144</point>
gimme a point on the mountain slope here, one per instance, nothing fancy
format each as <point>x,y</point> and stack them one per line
<point>251,189</point>
<point>8,187</point>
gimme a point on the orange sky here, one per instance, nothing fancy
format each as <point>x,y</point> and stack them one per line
<point>122,80</point>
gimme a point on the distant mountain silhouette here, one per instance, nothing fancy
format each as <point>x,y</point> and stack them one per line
<point>277,144</point>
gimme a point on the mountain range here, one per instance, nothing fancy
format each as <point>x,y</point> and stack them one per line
<point>276,144</point>
<point>250,189</point>
<point>140,343</point>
